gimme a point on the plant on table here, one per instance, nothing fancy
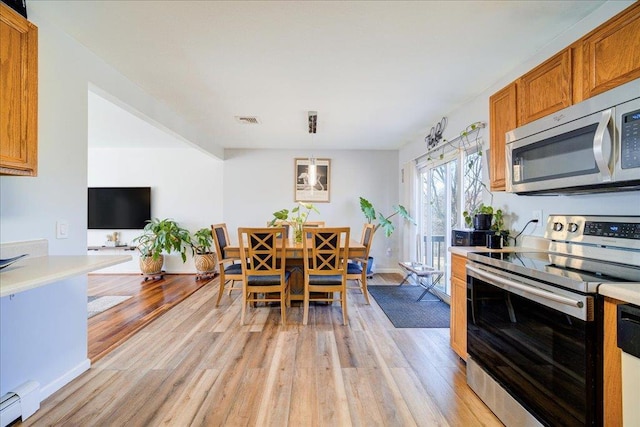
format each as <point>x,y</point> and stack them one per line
<point>384,221</point>
<point>296,218</point>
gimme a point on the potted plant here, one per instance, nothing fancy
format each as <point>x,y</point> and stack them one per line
<point>480,218</point>
<point>203,257</point>
<point>485,217</point>
<point>160,236</point>
<point>384,221</point>
<point>296,218</point>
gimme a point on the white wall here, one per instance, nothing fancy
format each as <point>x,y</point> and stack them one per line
<point>186,185</point>
<point>260,182</point>
<point>44,331</point>
<point>519,208</point>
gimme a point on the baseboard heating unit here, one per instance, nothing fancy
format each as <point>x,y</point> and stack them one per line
<point>20,403</point>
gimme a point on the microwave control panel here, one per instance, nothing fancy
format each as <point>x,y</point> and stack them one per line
<point>630,140</point>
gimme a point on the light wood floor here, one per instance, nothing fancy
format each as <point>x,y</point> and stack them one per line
<point>149,300</point>
<point>195,365</point>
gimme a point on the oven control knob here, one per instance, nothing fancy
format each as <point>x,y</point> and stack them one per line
<point>573,227</point>
<point>557,226</point>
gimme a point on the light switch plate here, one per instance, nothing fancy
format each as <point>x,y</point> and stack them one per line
<point>62,229</point>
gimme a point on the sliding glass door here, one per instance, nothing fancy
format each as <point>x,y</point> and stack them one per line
<point>439,202</point>
<point>447,187</point>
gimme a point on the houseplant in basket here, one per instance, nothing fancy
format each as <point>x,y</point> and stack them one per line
<point>160,236</point>
<point>296,218</point>
<point>203,257</point>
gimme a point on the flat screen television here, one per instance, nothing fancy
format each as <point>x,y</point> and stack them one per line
<point>119,208</point>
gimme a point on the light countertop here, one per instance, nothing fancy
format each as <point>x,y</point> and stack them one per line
<point>628,292</point>
<point>33,272</point>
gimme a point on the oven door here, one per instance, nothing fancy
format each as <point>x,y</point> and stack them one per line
<point>536,341</point>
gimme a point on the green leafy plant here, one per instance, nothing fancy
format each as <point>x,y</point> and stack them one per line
<point>384,221</point>
<point>163,236</point>
<point>201,241</point>
<point>296,218</point>
<point>497,220</point>
<point>481,209</point>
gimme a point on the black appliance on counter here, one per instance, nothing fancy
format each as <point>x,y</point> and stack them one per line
<point>535,320</point>
<point>469,237</point>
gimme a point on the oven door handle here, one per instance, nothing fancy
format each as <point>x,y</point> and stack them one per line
<point>534,291</point>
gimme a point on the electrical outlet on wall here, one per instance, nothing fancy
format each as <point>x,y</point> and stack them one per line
<point>537,214</point>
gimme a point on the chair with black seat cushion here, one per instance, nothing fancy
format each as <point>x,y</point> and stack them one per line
<point>325,266</point>
<point>278,223</point>
<point>230,268</point>
<point>313,224</point>
<point>263,267</point>
<point>357,267</point>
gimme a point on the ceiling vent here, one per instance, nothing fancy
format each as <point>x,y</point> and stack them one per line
<point>248,120</point>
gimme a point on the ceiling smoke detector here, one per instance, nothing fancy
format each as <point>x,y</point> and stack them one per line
<point>248,120</point>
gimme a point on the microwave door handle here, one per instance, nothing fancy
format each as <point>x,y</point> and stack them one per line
<point>602,145</point>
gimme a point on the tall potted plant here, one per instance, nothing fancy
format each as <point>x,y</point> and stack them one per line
<point>203,257</point>
<point>160,236</point>
<point>383,221</point>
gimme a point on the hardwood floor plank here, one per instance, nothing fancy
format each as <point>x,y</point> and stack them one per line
<point>361,397</point>
<point>304,404</point>
<point>196,365</point>
<point>276,398</point>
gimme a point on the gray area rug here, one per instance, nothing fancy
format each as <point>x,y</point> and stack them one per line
<point>98,304</point>
<point>400,305</point>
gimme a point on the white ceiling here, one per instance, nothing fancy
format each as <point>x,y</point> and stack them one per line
<point>378,73</point>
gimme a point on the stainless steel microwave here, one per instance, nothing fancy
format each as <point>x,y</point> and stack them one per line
<point>591,146</point>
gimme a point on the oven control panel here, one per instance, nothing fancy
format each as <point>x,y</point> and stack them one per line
<point>610,231</point>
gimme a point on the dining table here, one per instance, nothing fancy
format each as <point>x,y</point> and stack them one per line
<point>295,263</point>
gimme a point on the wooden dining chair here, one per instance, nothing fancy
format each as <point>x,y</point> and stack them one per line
<point>325,256</point>
<point>263,261</point>
<point>313,224</point>
<point>357,267</point>
<point>278,223</point>
<point>230,268</point>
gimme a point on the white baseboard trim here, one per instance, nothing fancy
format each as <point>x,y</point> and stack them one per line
<point>63,380</point>
<point>388,270</point>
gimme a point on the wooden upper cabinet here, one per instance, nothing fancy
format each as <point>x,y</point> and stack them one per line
<point>611,53</point>
<point>545,89</point>
<point>18,94</point>
<point>502,118</point>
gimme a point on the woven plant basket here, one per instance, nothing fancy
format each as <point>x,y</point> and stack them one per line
<point>205,263</point>
<point>148,265</point>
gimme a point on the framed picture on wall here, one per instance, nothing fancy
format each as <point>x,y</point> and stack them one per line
<point>310,187</point>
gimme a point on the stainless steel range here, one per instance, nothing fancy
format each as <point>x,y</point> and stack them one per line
<point>534,320</point>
